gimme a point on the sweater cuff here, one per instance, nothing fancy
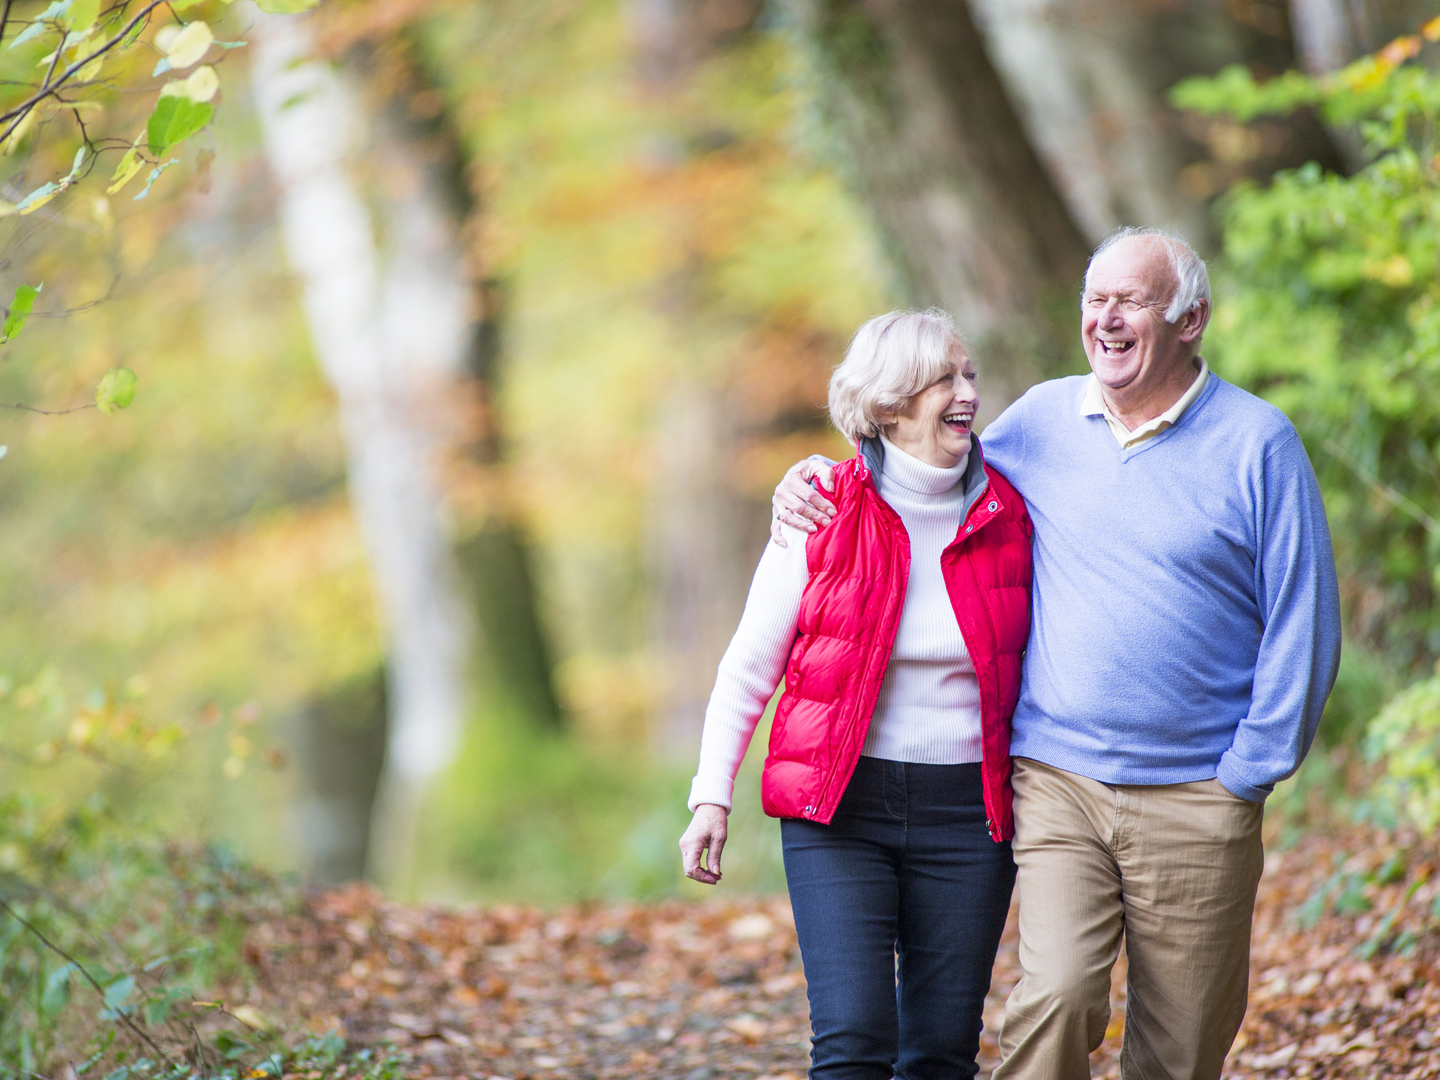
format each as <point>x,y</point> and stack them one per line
<point>1231,780</point>
<point>711,789</point>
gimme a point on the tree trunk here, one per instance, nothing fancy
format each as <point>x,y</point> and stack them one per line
<point>973,219</point>
<point>339,741</point>
<point>700,546</point>
<point>1324,36</point>
<point>420,169</point>
<point>1088,80</point>
<point>1091,81</point>
<point>391,335</point>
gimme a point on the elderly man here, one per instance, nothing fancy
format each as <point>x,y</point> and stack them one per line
<point>1186,636</point>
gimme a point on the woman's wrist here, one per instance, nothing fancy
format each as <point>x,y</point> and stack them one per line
<point>716,790</point>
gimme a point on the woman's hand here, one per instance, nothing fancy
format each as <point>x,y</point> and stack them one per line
<point>799,505</point>
<point>706,832</point>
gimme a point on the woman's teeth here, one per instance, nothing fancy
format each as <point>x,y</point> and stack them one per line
<point>959,418</point>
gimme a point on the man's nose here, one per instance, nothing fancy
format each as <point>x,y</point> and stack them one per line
<point>1110,315</point>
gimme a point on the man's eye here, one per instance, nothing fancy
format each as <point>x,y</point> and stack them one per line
<point>1132,305</point>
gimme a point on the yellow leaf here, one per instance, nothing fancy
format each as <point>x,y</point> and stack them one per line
<point>190,44</point>
<point>21,130</point>
<point>129,166</point>
<point>200,86</point>
<point>1395,271</point>
<point>1431,30</point>
<point>251,1018</point>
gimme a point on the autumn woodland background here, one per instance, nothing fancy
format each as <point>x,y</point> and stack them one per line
<point>446,353</point>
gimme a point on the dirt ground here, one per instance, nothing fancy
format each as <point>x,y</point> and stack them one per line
<point>1346,987</point>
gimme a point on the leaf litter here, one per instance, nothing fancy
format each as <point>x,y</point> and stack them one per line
<point>1345,979</point>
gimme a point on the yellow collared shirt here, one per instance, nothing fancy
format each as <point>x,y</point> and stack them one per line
<point>1094,405</point>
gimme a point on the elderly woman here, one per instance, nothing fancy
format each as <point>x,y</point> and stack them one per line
<point>898,631</point>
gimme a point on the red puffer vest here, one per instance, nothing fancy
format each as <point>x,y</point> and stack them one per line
<point>850,612</point>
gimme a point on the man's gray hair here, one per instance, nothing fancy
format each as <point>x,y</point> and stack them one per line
<point>1192,280</point>
<point>891,358</point>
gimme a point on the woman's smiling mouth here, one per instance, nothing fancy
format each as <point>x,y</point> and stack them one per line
<point>959,421</point>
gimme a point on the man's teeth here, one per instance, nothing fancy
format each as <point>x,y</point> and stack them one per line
<point>1115,346</point>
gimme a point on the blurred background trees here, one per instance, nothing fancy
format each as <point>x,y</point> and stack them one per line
<point>472,335</point>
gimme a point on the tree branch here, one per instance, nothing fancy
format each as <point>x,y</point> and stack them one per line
<point>1384,490</point>
<point>85,974</point>
<point>46,412</point>
<point>48,88</point>
<point>5,18</point>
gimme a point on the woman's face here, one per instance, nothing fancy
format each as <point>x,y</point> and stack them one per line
<point>934,425</point>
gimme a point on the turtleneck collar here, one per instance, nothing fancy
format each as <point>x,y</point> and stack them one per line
<point>915,475</point>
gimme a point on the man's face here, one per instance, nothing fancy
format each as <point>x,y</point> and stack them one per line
<point>1122,318</point>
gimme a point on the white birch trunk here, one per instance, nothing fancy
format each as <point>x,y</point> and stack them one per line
<point>1324,38</point>
<point>1075,75</point>
<point>390,330</point>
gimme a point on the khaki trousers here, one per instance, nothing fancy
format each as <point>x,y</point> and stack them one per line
<point>1174,868</point>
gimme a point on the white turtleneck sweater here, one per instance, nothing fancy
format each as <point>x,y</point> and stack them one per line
<point>929,706</point>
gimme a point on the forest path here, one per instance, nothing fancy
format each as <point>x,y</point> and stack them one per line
<point>713,991</point>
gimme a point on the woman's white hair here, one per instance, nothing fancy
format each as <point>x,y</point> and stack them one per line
<point>1192,280</point>
<point>891,359</point>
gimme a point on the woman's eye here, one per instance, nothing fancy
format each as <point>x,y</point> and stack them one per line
<point>972,376</point>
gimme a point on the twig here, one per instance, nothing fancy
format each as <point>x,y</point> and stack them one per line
<point>47,88</point>
<point>1385,491</point>
<point>46,412</point>
<point>200,1058</point>
<point>58,951</point>
<point>5,18</point>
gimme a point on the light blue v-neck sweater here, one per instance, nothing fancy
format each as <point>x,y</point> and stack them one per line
<point>1186,616</point>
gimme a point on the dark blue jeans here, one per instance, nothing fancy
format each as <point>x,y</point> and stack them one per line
<point>899,906</point>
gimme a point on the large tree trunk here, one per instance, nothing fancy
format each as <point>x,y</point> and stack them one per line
<point>972,217</point>
<point>701,545</point>
<point>1325,37</point>
<point>420,169</point>
<point>1090,81</point>
<point>391,333</point>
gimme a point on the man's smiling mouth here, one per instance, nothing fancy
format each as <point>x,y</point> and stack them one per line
<point>1115,348</point>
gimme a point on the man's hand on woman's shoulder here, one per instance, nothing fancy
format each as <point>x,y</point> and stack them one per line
<point>797,504</point>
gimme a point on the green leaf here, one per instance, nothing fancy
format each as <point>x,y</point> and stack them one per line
<point>154,175</point>
<point>83,14</point>
<point>285,7</point>
<point>20,309</point>
<point>57,990</point>
<point>118,992</point>
<point>174,120</point>
<point>116,391</point>
<point>38,198</point>
<point>40,25</point>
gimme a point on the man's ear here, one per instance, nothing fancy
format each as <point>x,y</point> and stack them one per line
<point>1194,321</point>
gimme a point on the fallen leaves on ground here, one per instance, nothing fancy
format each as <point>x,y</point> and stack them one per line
<point>1345,980</point>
